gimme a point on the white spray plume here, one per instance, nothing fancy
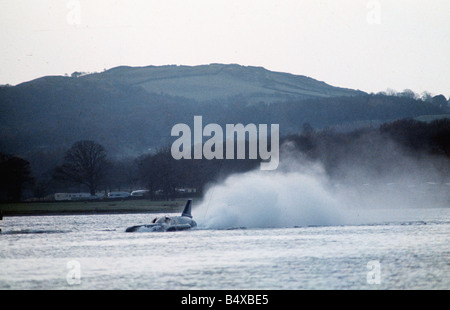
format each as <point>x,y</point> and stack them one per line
<point>263,199</point>
<point>301,193</point>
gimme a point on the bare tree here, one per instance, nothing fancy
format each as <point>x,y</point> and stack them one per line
<point>84,163</point>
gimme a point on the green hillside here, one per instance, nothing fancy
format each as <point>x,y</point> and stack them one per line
<point>215,81</point>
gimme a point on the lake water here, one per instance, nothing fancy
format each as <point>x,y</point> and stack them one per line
<point>400,249</point>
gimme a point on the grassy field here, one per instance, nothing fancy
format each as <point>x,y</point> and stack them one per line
<point>80,207</point>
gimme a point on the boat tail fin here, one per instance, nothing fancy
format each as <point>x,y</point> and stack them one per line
<point>187,209</point>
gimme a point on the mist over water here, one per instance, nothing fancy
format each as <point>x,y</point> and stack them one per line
<point>301,193</point>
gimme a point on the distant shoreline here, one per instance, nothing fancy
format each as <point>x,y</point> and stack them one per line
<point>90,207</point>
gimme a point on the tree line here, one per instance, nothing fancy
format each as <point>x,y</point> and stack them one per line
<point>86,166</point>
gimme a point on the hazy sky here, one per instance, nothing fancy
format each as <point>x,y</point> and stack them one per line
<point>361,44</point>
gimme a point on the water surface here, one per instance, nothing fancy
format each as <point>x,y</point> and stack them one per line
<point>50,252</point>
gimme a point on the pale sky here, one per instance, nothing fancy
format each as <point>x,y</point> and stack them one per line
<point>371,45</point>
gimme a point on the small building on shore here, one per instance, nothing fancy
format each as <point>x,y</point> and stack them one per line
<point>77,196</point>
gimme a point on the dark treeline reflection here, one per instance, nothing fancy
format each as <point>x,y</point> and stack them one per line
<point>408,148</point>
